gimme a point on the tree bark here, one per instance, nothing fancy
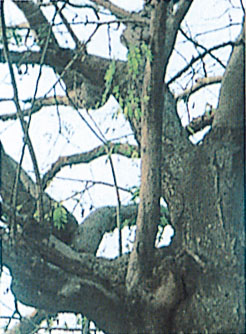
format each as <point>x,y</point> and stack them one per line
<point>195,285</point>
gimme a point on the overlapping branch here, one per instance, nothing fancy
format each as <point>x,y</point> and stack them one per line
<point>24,127</point>
<point>195,59</point>
<point>125,150</point>
<point>202,47</point>
<point>37,106</point>
<point>29,324</point>
<point>37,22</point>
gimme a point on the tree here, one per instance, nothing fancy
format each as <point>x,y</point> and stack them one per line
<point>195,285</point>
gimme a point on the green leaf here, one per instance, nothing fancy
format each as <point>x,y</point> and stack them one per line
<point>59,217</point>
<point>109,76</point>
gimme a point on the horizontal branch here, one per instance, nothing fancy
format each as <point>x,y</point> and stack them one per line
<point>125,150</point>
<point>38,105</point>
<point>200,83</point>
<point>99,222</point>
<point>22,57</point>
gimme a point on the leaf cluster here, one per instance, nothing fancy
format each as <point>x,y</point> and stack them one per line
<point>136,60</point>
<point>59,217</point>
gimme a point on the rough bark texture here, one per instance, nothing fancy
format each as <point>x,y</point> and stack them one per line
<point>197,284</point>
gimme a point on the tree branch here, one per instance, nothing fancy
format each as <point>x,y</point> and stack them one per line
<point>120,12</point>
<point>26,200</point>
<point>194,60</point>
<point>29,324</point>
<point>151,142</point>
<point>38,23</point>
<point>230,112</point>
<point>200,122</point>
<point>67,292</point>
<point>68,27</point>
<point>24,127</point>
<point>200,83</point>
<point>123,149</point>
<point>91,232</point>
<point>202,47</point>
<point>24,57</point>
<point>172,27</point>
<point>37,106</point>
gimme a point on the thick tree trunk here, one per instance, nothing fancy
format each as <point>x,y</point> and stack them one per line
<point>195,285</point>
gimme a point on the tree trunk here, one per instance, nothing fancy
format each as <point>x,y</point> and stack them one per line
<point>196,284</point>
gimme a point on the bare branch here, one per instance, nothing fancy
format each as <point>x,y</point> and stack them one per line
<point>68,26</point>
<point>29,324</point>
<point>200,83</point>
<point>200,122</point>
<point>172,27</point>
<point>27,199</point>
<point>121,13</point>
<point>202,47</point>
<point>122,149</point>
<point>194,60</point>
<point>37,106</point>
<point>24,127</point>
<point>19,58</point>
<point>103,220</point>
<point>37,22</point>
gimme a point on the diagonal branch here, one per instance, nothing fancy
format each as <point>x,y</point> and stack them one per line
<point>120,12</point>
<point>202,47</point>
<point>37,22</point>
<point>68,27</point>
<point>26,198</point>
<point>172,27</point>
<point>194,60</point>
<point>125,150</point>
<point>200,122</point>
<point>30,323</point>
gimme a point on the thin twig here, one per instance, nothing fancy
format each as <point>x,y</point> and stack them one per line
<point>24,127</point>
<point>102,138</point>
<point>196,44</point>
<point>68,26</point>
<point>193,60</point>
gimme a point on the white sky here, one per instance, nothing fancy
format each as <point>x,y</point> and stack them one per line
<point>204,15</point>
